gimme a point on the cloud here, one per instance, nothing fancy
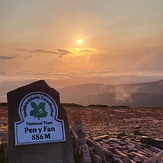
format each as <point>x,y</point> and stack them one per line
<point>86,50</point>
<point>43,51</point>
<point>75,52</point>
<point>3,57</point>
<point>62,52</point>
<point>58,52</point>
<point>2,73</point>
<point>11,79</point>
<point>125,94</point>
<point>37,51</point>
<point>80,77</point>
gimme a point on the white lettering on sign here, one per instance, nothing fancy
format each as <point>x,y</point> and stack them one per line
<point>39,123</point>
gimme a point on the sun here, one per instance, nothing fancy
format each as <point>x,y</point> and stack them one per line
<point>80,41</point>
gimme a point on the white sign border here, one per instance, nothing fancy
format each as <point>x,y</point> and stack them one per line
<point>22,120</point>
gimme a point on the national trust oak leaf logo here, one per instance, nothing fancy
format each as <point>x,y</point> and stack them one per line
<point>39,110</point>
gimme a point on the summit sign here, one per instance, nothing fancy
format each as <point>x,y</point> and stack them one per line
<point>38,128</point>
<point>39,124</point>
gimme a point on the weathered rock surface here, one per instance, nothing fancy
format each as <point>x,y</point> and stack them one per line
<point>109,135</point>
<point>158,143</point>
<point>115,148</point>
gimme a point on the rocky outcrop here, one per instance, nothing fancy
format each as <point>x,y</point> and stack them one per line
<point>108,148</point>
<point>153,142</point>
<point>122,135</point>
<point>114,148</point>
<point>81,150</point>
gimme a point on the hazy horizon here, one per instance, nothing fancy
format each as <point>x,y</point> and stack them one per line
<point>122,42</point>
<point>9,86</point>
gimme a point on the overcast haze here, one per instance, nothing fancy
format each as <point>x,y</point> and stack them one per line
<point>122,42</point>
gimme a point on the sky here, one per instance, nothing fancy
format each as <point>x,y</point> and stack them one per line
<point>122,42</point>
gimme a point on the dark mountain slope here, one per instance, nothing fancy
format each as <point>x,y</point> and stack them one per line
<point>137,94</point>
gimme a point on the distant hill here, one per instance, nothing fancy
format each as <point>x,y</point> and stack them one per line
<point>134,95</point>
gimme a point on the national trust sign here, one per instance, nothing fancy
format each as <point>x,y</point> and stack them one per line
<point>39,123</point>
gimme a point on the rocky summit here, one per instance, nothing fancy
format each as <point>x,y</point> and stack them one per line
<point>115,148</point>
<point>108,134</point>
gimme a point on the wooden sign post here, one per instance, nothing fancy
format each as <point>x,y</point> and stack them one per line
<point>38,126</point>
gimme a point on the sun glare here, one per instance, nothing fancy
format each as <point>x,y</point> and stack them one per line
<point>79,41</point>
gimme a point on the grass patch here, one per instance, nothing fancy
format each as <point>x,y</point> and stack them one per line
<point>98,105</point>
<point>121,106</point>
<point>3,104</point>
<point>71,105</point>
<point>3,128</point>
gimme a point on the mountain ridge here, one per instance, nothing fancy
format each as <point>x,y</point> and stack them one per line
<point>134,94</point>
